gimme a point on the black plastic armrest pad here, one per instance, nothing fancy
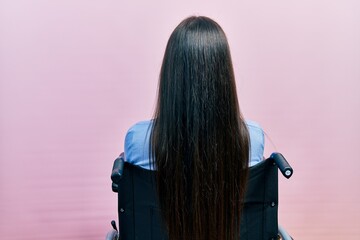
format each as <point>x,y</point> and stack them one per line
<point>282,164</point>
<point>118,168</point>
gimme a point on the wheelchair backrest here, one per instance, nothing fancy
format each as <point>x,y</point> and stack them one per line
<point>140,216</point>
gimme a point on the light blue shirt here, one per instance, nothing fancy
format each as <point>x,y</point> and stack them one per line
<point>137,142</point>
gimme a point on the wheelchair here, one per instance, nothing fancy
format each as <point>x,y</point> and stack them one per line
<point>140,217</point>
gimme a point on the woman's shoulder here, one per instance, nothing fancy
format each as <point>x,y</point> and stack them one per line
<point>140,125</point>
<point>253,125</point>
<point>138,128</point>
<point>255,130</point>
<point>136,145</point>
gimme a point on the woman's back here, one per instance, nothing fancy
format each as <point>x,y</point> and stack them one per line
<point>137,143</point>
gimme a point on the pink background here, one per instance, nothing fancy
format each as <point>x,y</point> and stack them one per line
<point>74,75</point>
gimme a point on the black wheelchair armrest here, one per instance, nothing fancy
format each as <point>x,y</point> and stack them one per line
<point>282,164</point>
<point>117,172</point>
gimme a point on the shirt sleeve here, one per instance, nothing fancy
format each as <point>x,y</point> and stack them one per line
<point>136,145</point>
<point>128,146</point>
<point>257,142</point>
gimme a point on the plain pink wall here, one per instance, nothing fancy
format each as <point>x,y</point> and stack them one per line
<point>74,75</point>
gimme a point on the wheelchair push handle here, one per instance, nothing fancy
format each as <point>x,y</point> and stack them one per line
<point>282,164</point>
<point>118,168</point>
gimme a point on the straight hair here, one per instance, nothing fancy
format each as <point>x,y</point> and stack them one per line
<point>199,140</point>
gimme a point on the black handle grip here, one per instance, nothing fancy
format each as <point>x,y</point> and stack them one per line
<point>282,164</point>
<point>118,168</point>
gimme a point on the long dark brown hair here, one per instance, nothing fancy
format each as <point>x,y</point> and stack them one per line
<point>199,140</point>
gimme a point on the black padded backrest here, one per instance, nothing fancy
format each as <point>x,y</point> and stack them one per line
<point>259,218</point>
<point>139,213</point>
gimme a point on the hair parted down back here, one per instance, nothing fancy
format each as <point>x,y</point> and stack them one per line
<point>199,139</point>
